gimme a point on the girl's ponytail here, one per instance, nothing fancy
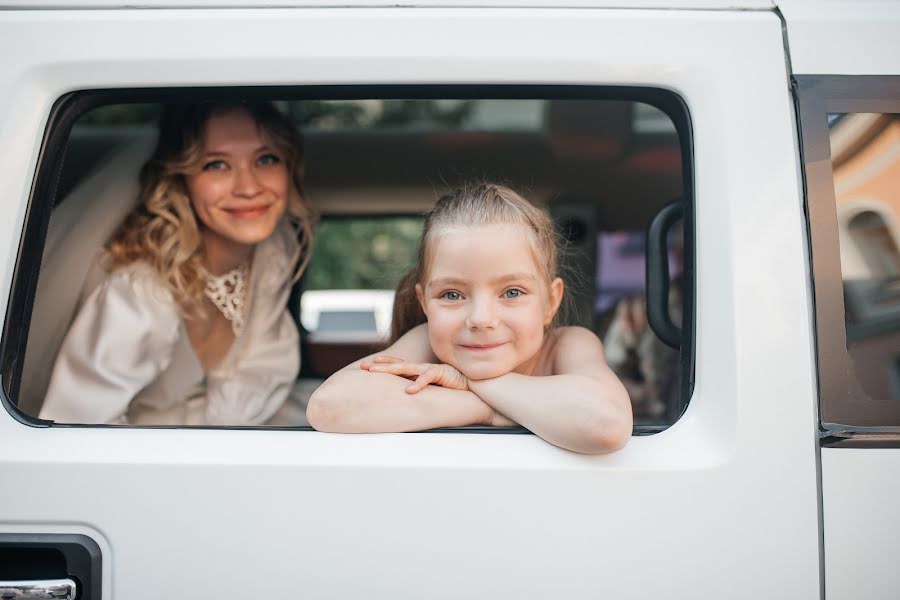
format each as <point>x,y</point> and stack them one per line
<point>407,311</point>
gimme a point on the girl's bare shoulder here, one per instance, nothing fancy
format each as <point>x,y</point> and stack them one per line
<point>568,346</point>
<point>413,346</point>
<point>575,334</point>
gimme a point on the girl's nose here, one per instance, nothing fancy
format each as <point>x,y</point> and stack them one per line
<point>246,184</point>
<point>482,314</point>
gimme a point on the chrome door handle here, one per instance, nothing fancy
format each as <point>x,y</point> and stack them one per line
<point>57,589</point>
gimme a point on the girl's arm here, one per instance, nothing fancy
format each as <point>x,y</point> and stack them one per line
<point>582,406</point>
<point>354,400</point>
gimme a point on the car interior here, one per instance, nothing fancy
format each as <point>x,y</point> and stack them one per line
<point>603,167</point>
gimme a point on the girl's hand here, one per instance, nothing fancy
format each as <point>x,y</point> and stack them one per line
<point>422,374</point>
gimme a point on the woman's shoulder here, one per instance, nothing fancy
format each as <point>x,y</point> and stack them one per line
<point>130,309</point>
<point>140,286</point>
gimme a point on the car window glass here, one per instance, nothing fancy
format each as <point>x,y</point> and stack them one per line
<point>602,168</point>
<point>865,151</point>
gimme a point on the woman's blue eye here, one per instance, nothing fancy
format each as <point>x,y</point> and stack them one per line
<point>512,293</point>
<point>214,165</point>
<point>451,295</point>
<point>268,159</point>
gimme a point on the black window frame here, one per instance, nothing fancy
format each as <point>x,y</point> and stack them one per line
<point>70,107</point>
<point>848,416</point>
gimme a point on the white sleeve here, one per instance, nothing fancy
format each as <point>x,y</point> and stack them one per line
<point>121,340</point>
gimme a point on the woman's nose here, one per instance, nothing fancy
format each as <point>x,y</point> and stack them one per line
<point>482,314</point>
<point>246,184</point>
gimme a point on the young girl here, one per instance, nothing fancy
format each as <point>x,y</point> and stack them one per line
<point>474,329</point>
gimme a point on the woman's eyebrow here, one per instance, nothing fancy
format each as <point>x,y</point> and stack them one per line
<point>214,152</point>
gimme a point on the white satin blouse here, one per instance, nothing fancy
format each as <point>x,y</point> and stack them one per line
<point>127,357</point>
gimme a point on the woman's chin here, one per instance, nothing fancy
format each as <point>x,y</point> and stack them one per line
<point>251,234</point>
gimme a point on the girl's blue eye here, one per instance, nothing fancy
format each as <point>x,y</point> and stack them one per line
<point>451,296</point>
<point>268,159</point>
<point>214,165</point>
<point>513,293</point>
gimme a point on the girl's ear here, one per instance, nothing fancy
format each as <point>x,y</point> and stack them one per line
<point>420,295</point>
<point>557,289</point>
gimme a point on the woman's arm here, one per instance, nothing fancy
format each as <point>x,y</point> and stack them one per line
<point>354,400</point>
<point>582,406</point>
<point>120,341</point>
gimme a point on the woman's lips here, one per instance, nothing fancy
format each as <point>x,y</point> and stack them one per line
<point>250,212</point>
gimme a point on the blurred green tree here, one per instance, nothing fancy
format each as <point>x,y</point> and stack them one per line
<point>369,253</point>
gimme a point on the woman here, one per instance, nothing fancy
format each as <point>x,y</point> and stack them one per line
<point>190,324</point>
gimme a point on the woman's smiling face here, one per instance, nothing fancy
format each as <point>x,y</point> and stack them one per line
<point>239,190</point>
<point>487,302</point>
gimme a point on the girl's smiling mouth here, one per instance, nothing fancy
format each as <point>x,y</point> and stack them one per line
<point>482,347</point>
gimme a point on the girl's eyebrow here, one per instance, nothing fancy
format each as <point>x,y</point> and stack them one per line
<point>515,277</point>
<point>523,276</point>
<point>442,281</point>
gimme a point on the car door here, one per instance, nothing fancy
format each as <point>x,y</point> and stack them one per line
<point>849,102</point>
<point>723,502</point>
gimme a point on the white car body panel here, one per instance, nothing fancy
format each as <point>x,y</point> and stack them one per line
<point>861,500</point>
<point>843,38</point>
<point>722,503</point>
<point>860,492</point>
<point>630,4</point>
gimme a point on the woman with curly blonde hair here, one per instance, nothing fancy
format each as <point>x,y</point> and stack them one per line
<point>190,324</point>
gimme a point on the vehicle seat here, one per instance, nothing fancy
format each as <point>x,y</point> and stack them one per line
<point>79,226</point>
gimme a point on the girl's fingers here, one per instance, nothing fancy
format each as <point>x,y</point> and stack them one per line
<point>429,375</point>
<point>374,364</point>
<point>382,359</point>
<point>403,369</point>
<point>396,369</point>
<point>422,374</point>
<point>385,359</point>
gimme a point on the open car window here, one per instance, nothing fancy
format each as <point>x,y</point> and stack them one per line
<point>602,162</point>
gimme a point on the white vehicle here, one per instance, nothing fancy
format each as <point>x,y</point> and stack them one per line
<point>767,464</point>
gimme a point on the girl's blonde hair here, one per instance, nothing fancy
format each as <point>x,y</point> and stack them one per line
<point>468,206</point>
<point>163,231</point>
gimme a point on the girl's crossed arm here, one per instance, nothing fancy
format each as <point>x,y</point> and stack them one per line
<point>354,400</point>
<point>581,405</point>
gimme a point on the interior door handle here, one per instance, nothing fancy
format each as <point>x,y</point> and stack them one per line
<point>57,589</point>
<point>658,274</point>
